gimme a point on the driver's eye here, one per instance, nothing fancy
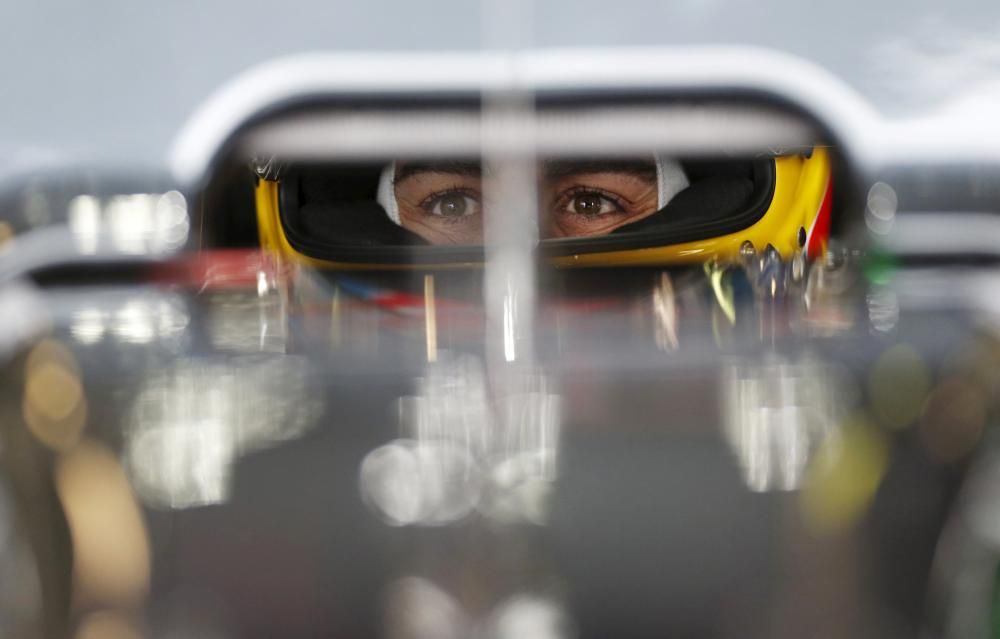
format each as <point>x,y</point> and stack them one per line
<point>592,204</point>
<point>452,205</point>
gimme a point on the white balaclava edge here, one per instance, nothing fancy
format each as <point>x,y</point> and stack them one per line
<point>670,180</point>
<point>386,193</point>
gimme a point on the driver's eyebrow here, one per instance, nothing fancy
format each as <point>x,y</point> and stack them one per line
<point>453,167</point>
<point>642,169</point>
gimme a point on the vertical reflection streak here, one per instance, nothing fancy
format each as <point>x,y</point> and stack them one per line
<point>777,413</point>
<point>508,151</point>
<point>509,348</point>
<point>430,315</point>
<point>335,317</point>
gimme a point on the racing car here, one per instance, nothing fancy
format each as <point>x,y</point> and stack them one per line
<point>602,347</point>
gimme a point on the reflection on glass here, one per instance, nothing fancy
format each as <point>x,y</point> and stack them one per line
<point>416,608</point>
<point>85,222</point>
<point>245,322</point>
<point>138,320</point>
<point>665,313</point>
<point>135,224</point>
<point>777,413</point>
<point>190,422</point>
<point>880,212</point>
<point>451,405</point>
<point>529,616</point>
<point>463,449</point>
<point>88,325</point>
<point>420,483</point>
<point>883,309</point>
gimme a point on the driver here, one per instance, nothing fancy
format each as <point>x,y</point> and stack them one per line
<point>442,202</point>
<point>639,209</point>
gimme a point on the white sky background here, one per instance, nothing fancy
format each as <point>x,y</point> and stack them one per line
<point>112,81</point>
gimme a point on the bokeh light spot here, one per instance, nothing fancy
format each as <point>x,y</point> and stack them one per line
<point>53,391</point>
<point>54,406</point>
<point>111,558</point>
<point>953,420</point>
<point>843,477</point>
<point>879,268</point>
<point>897,386</point>
<point>6,233</point>
<point>106,624</point>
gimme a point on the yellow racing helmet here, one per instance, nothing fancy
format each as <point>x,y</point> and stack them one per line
<point>337,216</point>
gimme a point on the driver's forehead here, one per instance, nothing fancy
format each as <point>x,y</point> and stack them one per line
<point>408,169</point>
<point>549,169</point>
